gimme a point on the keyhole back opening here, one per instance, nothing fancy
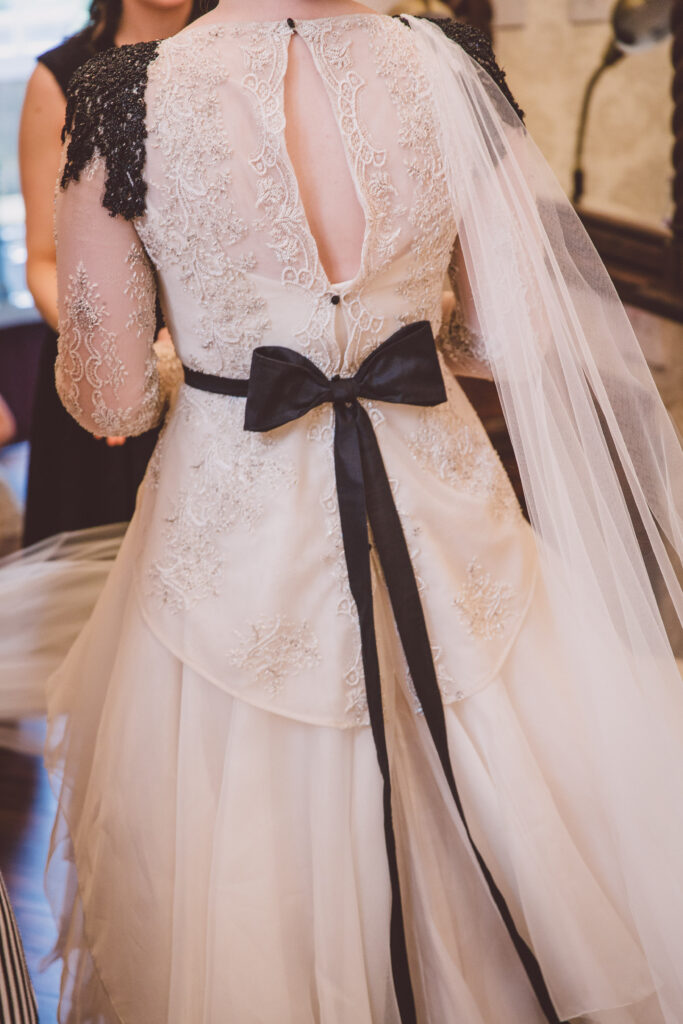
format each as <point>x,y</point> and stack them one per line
<point>328,190</point>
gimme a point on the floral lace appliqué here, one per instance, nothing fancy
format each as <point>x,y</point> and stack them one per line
<point>233,478</point>
<point>464,349</point>
<point>89,363</point>
<point>430,211</point>
<point>274,649</point>
<point>194,221</point>
<point>461,454</point>
<point>483,605</point>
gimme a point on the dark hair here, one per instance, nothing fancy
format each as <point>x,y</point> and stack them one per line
<point>105,15</point>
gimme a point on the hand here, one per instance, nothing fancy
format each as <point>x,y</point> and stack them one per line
<point>112,442</point>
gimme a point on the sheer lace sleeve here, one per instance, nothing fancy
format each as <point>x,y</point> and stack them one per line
<point>460,339</point>
<point>106,370</point>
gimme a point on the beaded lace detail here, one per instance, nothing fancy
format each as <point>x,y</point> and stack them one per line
<point>484,605</point>
<point>89,361</point>
<point>459,452</point>
<point>274,649</point>
<point>429,213</point>
<point>194,222</point>
<point>105,114</point>
<point>282,219</point>
<point>232,482</point>
<point>478,46</point>
<point>464,348</point>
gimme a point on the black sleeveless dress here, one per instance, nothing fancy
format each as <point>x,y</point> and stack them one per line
<point>74,480</point>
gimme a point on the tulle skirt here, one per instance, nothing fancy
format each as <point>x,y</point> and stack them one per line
<point>214,862</point>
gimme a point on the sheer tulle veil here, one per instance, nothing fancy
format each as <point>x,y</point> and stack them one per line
<point>602,472</point>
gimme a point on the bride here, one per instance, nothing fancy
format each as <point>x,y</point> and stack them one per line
<point>346,740</point>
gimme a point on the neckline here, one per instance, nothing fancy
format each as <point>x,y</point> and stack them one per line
<point>274,23</point>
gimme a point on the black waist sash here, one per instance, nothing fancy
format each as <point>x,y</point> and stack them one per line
<point>284,385</point>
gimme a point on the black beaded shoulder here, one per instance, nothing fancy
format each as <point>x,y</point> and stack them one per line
<point>105,113</point>
<point>478,45</point>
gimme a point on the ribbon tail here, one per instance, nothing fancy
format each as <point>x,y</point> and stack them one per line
<point>407,608</point>
<point>351,496</point>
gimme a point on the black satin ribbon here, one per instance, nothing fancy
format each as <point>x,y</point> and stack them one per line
<point>284,385</point>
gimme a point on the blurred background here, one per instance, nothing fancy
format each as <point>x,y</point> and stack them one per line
<point>27,28</point>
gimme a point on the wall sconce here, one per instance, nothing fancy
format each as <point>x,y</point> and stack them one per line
<point>636,25</point>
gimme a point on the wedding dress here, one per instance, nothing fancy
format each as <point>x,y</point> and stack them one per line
<point>223,819</point>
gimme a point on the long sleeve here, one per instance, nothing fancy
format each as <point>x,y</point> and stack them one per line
<point>460,339</point>
<point>106,371</point>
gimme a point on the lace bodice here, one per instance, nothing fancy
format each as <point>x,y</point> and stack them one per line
<point>183,143</point>
<point>179,179</point>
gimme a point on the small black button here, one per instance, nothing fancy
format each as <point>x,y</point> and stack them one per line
<point>335,300</point>
<point>291,22</point>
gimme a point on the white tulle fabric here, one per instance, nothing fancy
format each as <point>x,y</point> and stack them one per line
<point>47,593</point>
<point>602,471</point>
<point>218,852</point>
<point>241,853</point>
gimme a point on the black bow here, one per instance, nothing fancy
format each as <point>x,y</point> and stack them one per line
<point>283,386</point>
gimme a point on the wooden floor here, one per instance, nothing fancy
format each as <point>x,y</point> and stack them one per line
<point>26,813</point>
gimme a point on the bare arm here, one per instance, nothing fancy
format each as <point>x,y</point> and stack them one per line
<point>42,118</point>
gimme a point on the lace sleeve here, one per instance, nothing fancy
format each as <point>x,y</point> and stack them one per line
<point>106,371</point>
<point>460,339</point>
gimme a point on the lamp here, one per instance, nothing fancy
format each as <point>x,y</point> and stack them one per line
<point>636,25</point>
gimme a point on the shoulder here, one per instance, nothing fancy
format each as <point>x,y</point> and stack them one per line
<point>478,46</point>
<point>64,60</point>
<point>105,115</point>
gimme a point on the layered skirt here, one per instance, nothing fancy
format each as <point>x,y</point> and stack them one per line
<point>213,861</point>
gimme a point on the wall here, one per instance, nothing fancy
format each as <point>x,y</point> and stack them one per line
<point>628,151</point>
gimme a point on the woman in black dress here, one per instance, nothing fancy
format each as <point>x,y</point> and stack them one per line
<point>76,480</point>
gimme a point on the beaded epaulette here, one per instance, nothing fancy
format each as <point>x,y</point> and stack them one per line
<point>478,46</point>
<point>105,114</point>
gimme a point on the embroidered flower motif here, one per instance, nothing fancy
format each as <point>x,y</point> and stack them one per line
<point>194,221</point>
<point>274,649</point>
<point>89,372</point>
<point>429,212</point>
<point>141,290</point>
<point>461,454</point>
<point>464,349</point>
<point>229,485</point>
<point>483,605</point>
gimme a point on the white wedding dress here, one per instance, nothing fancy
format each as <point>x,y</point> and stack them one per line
<point>220,803</point>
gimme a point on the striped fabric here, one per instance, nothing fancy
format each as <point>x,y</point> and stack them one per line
<point>17,1001</point>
